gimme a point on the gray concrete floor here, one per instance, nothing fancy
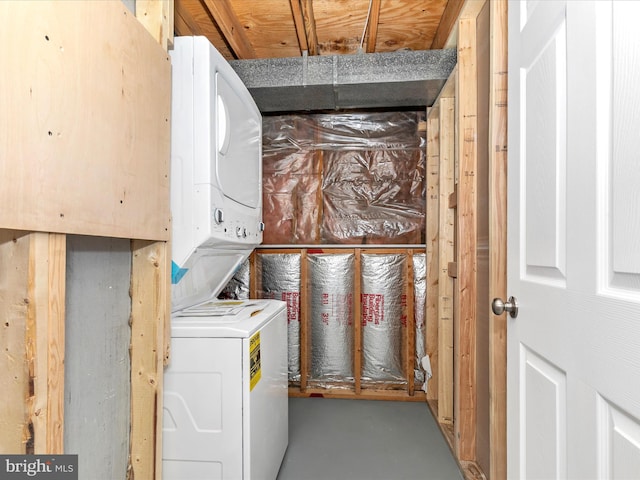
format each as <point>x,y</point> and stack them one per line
<point>334,439</point>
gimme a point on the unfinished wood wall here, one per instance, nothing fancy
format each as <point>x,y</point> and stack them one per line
<point>357,387</point>
<point>87,115</point>
<point>466,151</point>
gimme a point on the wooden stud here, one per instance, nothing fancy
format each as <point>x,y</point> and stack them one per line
<point>46,320</point>
<point>185,24</point>
<point>157,18</point>
<point>410,325</point>
<point>466,238</point>
<point>298,21</point>
<point>498,238</point>
<point>149,300</point>
<point>222,13</point>
<point>305,331</point>
<point>253,275</point>
<point>452,269</point>
<point>357,321</point>
<point>432,235</point>
<point>447,23</point>
<point>15,376</point>
<point>310,26</point>
<point>372,26</point>
<point>446,254</point>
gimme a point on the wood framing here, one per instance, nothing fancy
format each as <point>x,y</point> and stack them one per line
<point>222,13</point>
<point>372,26</point>
<point>149,308</point>
<point>46,337</point>
<point>446,255</point>
<point>157,17</point>
<point>298,21</point>
<point>358,388</point>
<point>498,237</point>
<point>15,371</point>
<point>310,26</point>
<point>466,238</point>
<point>432,247</point>
<point>90,138</point>
<point>357,323</point>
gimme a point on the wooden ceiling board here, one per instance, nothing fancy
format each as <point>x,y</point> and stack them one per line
<point>269,26</point>
<point>408,25</point>
<point>194,12</point>
<point>339,25</point>
<point>329,27</point>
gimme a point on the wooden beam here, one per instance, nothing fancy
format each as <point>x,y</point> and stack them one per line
<point>15,376</point>
<point>446,255</point>
<point>432,236</point>
<point>222,13</point>
<point>298,21</point>
<point>150,300</point>
<point>310,26</point>
<point>498,238</point>
<point>157,18</point>
<point>466,240</point>
<point>447,23</point>
<point>372,26</point>
<point>46,337</point>
<point>185,24</point>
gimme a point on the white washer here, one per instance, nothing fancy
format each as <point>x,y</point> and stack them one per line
<point>225,392</point>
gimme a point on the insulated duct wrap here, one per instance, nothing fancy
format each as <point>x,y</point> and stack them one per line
<point>331,312</point>
<point>384,315</point>
<point>238,287</point>
<point>279,275</point>
<point>419,304</point>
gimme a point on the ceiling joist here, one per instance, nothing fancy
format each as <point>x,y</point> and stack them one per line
<point>372,26</point>
<point>298,20</point>
<point>309,26</point>
<point>234,34</point>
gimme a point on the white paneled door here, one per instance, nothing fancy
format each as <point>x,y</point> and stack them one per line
<point>574,240</point>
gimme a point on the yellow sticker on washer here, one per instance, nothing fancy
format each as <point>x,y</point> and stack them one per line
<point>255,369</point>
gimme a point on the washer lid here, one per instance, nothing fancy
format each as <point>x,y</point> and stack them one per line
<point>224,318</point>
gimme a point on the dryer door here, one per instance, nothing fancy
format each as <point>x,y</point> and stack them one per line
<point>238,144</point>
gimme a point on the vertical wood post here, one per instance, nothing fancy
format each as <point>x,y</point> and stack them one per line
<point>150,300</point>
<point>45,333</point>
<point>432,235</point>
<point>498,238</point>
<point>466,239</point>
<point>446,255</point>
<point>15,376</point>
<point>357,322</point>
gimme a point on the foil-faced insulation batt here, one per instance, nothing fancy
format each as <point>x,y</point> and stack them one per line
<point>384,315</point>
<point>238,287</point>
<point>419,303</point>
<point>279,276</point>
<point>356,178</point>
<point>331,311</point>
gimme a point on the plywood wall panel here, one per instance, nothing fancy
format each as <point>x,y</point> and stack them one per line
<point>85,121</point>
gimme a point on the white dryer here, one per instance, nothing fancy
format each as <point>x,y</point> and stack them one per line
<point>225,392</point>
<point>216,172</point>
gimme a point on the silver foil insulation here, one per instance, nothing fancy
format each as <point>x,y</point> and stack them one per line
<point>384,316</point>
<point>419,305</point>
<point>279,279</point>
<point>331,314</point>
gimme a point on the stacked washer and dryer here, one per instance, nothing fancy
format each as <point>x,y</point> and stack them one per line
<point>225,390</point>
